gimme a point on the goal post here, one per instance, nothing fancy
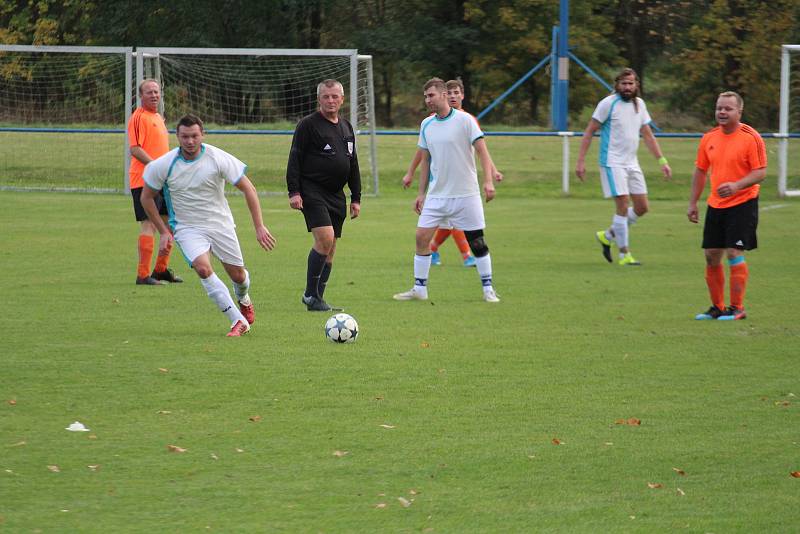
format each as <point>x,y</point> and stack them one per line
<point>789,117</point>
<point>49,93</point>
<point>251,99</point>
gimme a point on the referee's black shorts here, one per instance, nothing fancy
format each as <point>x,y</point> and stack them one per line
<point>138,209</point>
<point>733,227</point>
<point>323,208</point>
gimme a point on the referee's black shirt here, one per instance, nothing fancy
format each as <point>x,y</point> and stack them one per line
<point>324,154</point>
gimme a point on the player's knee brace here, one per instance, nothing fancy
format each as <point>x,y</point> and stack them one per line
<point>476,243</point>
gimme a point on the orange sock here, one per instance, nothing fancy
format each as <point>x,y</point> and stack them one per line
<point>715,279</point>
<point>162,262</point>
<point>461,243</point>
<point>439,237</point>
<point>739,275</point>
<point>145,255</point>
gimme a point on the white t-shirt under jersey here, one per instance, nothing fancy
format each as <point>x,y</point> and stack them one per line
<point>195,190</point>
<point>449,142</point>
<point>619,133</point>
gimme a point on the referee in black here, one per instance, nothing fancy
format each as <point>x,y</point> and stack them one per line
<point>322,160</point>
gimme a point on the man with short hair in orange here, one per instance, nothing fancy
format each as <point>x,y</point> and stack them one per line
<point>735,154</point>
<point>148,140</point>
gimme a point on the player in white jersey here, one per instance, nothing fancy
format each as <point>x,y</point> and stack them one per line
<point>451,196</point>
<point>621,117</point>
<point>193,178</point>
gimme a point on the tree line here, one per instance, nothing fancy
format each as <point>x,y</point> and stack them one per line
<point>685,52</point>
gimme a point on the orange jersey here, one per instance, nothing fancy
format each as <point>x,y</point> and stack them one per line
<point>148,131</point>
<point>731,157</point>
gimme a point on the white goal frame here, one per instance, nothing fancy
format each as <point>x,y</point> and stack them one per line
<point>153,53</point>
<point>119,50</point>
<point>783,125</point>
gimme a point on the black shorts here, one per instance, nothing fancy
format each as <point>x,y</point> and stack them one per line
<point>321,208</point>
<point>138,210</point>
<point>733,227</point>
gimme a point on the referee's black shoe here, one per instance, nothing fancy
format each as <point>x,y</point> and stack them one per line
<point>316,304</point>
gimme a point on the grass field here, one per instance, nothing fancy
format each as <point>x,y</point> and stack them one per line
<point>451,415</point>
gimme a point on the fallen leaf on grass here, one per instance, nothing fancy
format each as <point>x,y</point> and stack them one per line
<point>556,441</point>
<point>94,467</point>
<point>12,402</point>
<point>795,474</point>
<point>163,412</point>
<point>54,468</point>
<point>380,398</point>
<point>380,505</point>
<point>405,502</point>
<point>425,345</point>
<point>632,421</point>
<point>341,454</point>
<point>19,444</point>
<point>655,485</point>
<point>239,450</point>
<point>175,448</point>
<point>91,436</point>
<point>255,418</point>
<point>387,426</point>
<point>681,472</point>
<point>214,456</point>
<point>163,370</point>
<point>413,492</point>
<point>680,492</point>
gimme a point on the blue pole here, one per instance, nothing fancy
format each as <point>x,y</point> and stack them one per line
<point>513,88</point>
<point>562,85</point>
<point>553,77</point>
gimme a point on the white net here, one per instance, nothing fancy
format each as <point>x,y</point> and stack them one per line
<point>247,100</point>
<point>54,103</point>
<point>789,145</point>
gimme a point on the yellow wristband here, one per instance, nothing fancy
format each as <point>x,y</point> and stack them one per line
<point>662,160</point>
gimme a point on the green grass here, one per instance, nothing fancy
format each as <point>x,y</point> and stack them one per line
<point>532,165</point>
<point>475,392</point>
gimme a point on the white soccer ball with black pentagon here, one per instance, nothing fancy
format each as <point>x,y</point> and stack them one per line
<point>341,328</point>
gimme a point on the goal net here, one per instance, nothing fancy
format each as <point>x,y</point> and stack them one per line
<point>789,123</point>
<point>251,99</point>
<point>62,116</point>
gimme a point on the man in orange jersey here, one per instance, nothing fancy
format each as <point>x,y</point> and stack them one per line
<point>455,97</point>
<point>737,158</point>
<point>148,140</point>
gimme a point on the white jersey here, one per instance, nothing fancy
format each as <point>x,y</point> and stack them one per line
<point>194,191</point>
<point>619,133</point>
<point>449,142</point>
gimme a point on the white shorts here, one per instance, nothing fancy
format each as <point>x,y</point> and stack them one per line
<point>464,213</point>
<point>222,243</point>
<point>619,181</point>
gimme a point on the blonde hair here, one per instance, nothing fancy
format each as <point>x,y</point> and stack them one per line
<point>146,81</point>
<point>737,96</point>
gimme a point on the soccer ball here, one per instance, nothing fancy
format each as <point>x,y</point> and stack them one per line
<point>341,328</point>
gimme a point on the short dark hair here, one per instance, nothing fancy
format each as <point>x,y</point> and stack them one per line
<point>189,120</point>
<point>452,84</point>
<point>438,83</point>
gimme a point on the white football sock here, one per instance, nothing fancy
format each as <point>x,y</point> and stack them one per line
<point>240,290</point>
<point>632,217</point>
<point>218,292</point>
<point>484,267</point>
<point>620,226</point>
<point>422,268</point>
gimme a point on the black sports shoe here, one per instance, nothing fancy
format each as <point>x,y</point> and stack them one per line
<point>733,314</point>
<point>712,313</point>
<point>167,276</point>
<point>148,281</point>
<point>605,243</point>
<point>315,304</point>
